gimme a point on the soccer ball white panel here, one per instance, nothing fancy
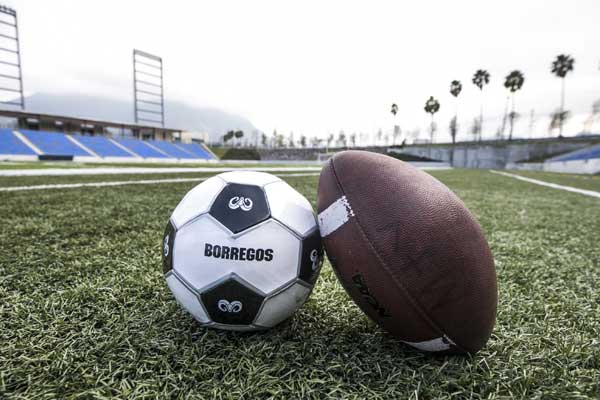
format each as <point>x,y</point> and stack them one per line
<point>290,207</point>
<point>249,177</point>
<point>187,299</point>
<point>197,201</point>
<point>265,256</point>
<point>282,305</point>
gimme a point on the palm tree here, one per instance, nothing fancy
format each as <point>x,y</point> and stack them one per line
<point>394,111</point>
<point>513,82</point>
<point>453,127</point>
<point>432,106</point>
<point>480,79</point>
<point>561,66</point>
<point>353,139</point>
<point>228,136</point>
<point>455,89</point>
<point>302,141</point>
<point>329,141</point>
<point>342,139</point>
<point>238,135</point>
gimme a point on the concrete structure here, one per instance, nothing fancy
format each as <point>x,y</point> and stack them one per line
<point>194,137</point>
<point>583,161</point>
<point>493,154</point>
<point>61,123</point>
<point>499,154</point>
<point>282,154</point>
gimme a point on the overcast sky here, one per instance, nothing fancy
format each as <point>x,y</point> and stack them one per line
<point>315,67</point>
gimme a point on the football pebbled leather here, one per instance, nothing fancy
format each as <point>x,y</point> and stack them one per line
<point>408,252</point>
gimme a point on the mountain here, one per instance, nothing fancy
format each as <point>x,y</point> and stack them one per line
<point>178,115</point>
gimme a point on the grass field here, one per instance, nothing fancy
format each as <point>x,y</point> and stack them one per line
<point>85,311</point>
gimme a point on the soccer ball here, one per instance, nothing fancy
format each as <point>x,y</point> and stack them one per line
<point>242,251</point>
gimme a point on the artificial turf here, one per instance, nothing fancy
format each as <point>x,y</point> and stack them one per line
<point>85,311</point>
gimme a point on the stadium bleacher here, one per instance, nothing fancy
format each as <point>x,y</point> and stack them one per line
<point>11,144</point>
<point>141,148</point>
<point>197,150</point>
<point>14,143</point>
<point>172,149</point>
<point>582,161</point>
<point>583,154</point>
<point>54,143</point>
<point>102,146</point>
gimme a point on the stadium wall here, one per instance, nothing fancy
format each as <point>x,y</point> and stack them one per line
<point>572,167</point>
<point>498,155</point>
<point>308,154</point>
<point>591,166</point>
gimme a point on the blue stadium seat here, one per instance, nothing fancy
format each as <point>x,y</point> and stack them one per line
<point>101,146</point>
<point>57,144</point>
<point>11,144</point>
<point>197,150</point>
<point>172,149</point>
<point>582,154</point>
<point>141,148</point>
<point>53,143</point>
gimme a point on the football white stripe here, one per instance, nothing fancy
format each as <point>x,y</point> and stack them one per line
<point>438,344</point>
<point>334,216</point>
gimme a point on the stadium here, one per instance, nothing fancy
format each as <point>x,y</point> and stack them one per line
<point>90,304</point>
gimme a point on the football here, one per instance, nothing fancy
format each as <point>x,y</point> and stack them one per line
<point>408,252</point>
<point>242,251</point>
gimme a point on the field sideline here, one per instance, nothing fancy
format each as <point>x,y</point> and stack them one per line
<point>85,310</point>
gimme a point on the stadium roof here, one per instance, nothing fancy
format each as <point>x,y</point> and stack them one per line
<point>83,121</point>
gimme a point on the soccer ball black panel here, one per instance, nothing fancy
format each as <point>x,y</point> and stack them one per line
<point>239,207</point>
<point>232,303</point>
<point>312,257</point>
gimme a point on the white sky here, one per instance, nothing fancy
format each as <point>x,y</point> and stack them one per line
<point>315,67</point>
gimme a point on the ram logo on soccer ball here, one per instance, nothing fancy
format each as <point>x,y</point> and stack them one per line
<point>243,203</point>
<point>226,306</point>
<point>245,251</point>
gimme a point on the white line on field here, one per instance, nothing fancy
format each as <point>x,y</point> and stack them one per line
<point>177,170</point>
<point>142,170</point>
<point>120,183</point>
<point>548,184</point>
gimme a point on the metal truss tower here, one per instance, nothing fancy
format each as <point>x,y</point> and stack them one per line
<point>148,93</point>
<point>11,76</point>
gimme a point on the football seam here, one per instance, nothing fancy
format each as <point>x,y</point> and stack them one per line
<point>410,298</point>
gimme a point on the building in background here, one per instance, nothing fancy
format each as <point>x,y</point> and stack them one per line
<point>194,137</point>
<point>84,126</point>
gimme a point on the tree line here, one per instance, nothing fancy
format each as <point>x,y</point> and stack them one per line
<point>562,65</point>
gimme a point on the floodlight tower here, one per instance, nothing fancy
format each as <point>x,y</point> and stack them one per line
<point>148,94</point>
<point>10,57</point>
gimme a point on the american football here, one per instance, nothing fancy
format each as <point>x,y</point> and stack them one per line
<point>408,251</point>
